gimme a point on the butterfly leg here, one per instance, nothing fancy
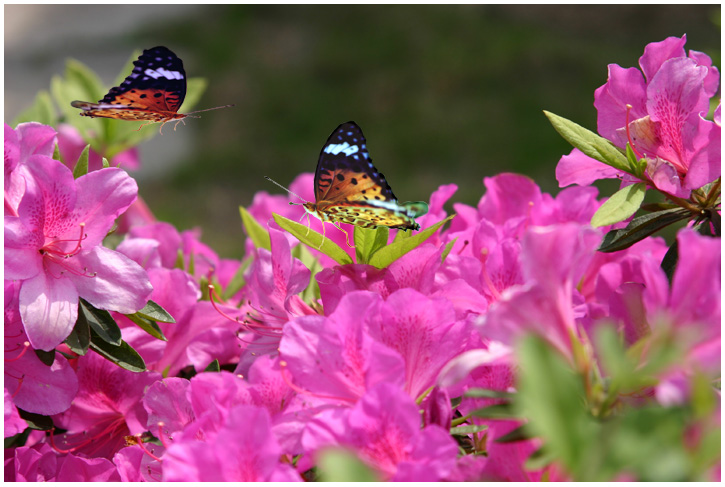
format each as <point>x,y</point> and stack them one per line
<point>177,123</point>
<point>347,236</point>
<point>143,125</point>
<point>323,236</point>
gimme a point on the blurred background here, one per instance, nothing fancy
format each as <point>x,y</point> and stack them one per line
<point>443,93</point>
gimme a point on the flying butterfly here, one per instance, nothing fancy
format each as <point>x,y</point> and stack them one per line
<point>349,189</point>
<point>153,92</point>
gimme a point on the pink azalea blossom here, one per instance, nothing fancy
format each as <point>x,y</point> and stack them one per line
<point>383,430</point>
<point>14,424</point>
<point>32,385</point>
<point>28,139</point>
<point>107,408</point>
<point>241,448</point>
<point>53,248</point>
<point>660,110</point>
<point>71,144</point>
<point>335,358</point>
<point>41,464</point>
<point>554,259</point>
<point>200,334</point>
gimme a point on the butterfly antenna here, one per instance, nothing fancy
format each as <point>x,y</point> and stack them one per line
<point>207,109</point>
<point>290,192</point>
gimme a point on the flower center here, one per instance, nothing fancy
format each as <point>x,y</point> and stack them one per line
<point>55,252</point>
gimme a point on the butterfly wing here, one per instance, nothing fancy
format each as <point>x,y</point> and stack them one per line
<point>350,189</point>
<point>154,90</point>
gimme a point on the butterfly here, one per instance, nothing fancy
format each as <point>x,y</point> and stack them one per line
<point>153,92</point>
<point>349,189</point>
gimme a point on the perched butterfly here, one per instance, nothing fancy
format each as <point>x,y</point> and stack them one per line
<point>349,189</point>
<point>153,92</point>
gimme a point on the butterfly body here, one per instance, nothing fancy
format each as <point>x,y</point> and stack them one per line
<point>349,189</point>
<point>153,92</point>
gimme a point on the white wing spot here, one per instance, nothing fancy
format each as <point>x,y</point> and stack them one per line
<point>344,147</point>
<point>155,74</point>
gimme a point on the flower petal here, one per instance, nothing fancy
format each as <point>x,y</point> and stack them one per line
<point>102,196</point>
<point>118,283</point>
<point>49,309</point>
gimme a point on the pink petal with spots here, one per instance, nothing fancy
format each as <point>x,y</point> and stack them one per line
<point>423,331</point>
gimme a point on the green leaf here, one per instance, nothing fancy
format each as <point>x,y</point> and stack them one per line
<point>41,111</point>
<point>337,465</point>
<point>36,421</point>
<point>589,143</point>
<point>620,206</point>
<point>518,434</point>
<point>213,366</point>
<point>56,152</point>
<point>17,440</point>
<point>368,241</point>
<point>255,231</point>
<point>101,322</point>
<point>147,325</point>
<point>550,396</point>
<point>488,394</point>
<point>468,429</point>
<point>447,250</point>
<point>195,88</point>
<point>154,311</point>
<point>641,227</point>
<point>389,254</point>
<point>539,459</point>
<point>105,163</point>
<point>80,338</point>
<point>315,240</point>
<point>122,355</point>
<point>81,75</point>
<point>46,357</point>
<point>669,261</point>
<point>497,411</point>
<point>81,167</point>
<point>312,291</point>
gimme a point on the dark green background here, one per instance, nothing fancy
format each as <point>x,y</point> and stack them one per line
<point>444,94</point>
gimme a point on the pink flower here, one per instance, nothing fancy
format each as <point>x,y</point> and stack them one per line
<point>660,111</point>
<point>53,248</point>
<point>28,139</point>
<point>32,385</point>
<point>107,408</point>
<point>383,429</point>
<point>273,283</point>
<point>335,358</point>
<point>241,448</point>
<point>40,463</point>
<point>71,144</point>
<point>554,259</point>
<point>14,424</point>
<point>200,334</point>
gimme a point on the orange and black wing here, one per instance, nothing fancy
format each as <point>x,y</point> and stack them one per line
<point>349,189</point>
<point>154,90</point>
<point>345,172</point>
